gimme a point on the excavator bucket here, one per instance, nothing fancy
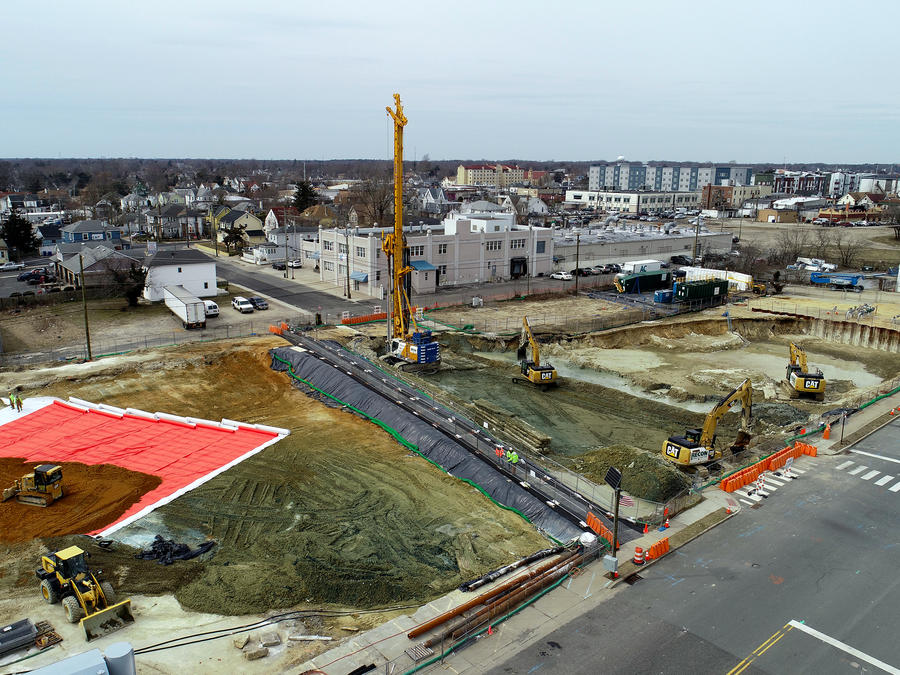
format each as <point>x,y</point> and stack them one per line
<point>10,492</point>
<point>107,620</point>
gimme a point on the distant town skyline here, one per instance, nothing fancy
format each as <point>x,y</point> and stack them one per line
<point>701,81</point>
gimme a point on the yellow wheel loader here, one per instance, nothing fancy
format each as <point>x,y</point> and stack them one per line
<point>41,487</point>
<point>800,381</point>
<point>541,374</point>
<point>697,446</point>
<point>65,577</point>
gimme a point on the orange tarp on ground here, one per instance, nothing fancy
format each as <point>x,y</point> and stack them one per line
<point>183,455</point>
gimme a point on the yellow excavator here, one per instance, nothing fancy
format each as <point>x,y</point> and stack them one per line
<point>799,380</point>
<point>534,371</point>
<point>697,446</point>
<point>65,577</point>
<point>41,487</point>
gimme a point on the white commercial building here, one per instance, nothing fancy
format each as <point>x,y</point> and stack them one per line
<point>631,202</point>
<point>465,248</point>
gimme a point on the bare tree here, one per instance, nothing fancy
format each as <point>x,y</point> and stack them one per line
<point>848,248</point>
<point>822,243</point>
<point>791,243</point>
<point>376,201</point>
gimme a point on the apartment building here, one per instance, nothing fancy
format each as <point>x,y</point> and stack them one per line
<point>664,177</point>
<point>497,175</point>
<point>466,248</point>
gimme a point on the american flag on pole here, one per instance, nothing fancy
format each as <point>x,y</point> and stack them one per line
<point>625,500</point>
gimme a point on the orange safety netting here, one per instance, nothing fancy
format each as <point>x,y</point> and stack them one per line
<point>182,455</point>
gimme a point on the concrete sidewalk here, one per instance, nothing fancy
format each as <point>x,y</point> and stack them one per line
<point>575,596</point>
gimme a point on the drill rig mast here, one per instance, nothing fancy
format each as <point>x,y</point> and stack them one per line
<point>408,349</point>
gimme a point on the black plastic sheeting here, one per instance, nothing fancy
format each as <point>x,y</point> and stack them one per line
<point>431,443</point>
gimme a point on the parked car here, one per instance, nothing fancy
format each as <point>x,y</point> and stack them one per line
<point>279,266</point>
<point>565,276</point>
<point>9,266</point>
<point>582,271</point>
<point>258,302</point>
<point>241,304</point>
<point>212,309</point>
<point>295,263</point>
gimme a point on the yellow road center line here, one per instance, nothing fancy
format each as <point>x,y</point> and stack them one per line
<point>775,637</point>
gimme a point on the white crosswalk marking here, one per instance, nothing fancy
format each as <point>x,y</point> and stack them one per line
<point>883,481</point>
<point>870,475</point>
<point>858,470</point>
<point>896,488</point>
<point>794,469</point>
<point>845,465</point>
<point>748,503</point>
<point>772,481</point>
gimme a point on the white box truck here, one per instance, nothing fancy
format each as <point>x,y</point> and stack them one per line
<point>633,266</point>
<point>187,307</point>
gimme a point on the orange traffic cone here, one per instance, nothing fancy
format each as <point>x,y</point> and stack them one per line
<point>666,526</point>
<point>646,528</point>
<point>827,432</point>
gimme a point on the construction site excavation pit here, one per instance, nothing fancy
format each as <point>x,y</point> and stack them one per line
<point>336,514</point>
<point>624,391</point>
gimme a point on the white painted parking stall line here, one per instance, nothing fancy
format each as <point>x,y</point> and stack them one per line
<point>895,488</point>
<point>870,475</point>
<point>884,481</point>
<point>845,465</point>
<point>858,470</point>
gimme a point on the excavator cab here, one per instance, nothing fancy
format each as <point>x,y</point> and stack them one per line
<point>697,446</point>
<point>800,379</point>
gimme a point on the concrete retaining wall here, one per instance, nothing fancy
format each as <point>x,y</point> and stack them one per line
<point>848,332</point>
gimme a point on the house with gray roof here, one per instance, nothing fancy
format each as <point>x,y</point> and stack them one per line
<point>186,267</point>
<point>90,230</point>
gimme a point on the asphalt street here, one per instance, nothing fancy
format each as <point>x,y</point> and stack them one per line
<point>822,552</point>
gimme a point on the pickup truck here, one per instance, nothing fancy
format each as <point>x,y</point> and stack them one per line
<point>10,266</point>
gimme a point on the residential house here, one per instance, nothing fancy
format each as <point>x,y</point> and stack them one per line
<point>434,200</point>
<point>4,252</point>
<point>48,236</point>
<point>100,263</point>
<point>253,227</point>
<point>133,202</point>
<point>181,267</point>
<point>93,230</point>
<point>321,215</point>
<point>279,216</point>
<point>177,220</point>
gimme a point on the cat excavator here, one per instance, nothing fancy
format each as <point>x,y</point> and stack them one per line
<point>799,380</point>
<point>697,446</point>
<point>534,371</point>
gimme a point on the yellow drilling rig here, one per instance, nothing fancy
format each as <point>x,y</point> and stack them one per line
<point>409,346</point>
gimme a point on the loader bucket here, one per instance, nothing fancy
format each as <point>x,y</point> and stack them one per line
<point>107,620</point>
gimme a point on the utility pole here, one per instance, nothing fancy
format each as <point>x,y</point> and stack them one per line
<point>285,249</point>
<point>347,246</point>
<point>293,238</point>
<point>87,331</point>
<point>696,241</point>
<point>577,258</point>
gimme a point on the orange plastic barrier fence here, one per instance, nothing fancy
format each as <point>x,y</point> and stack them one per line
<point>749,474</point>
<point>364,318</point>
<point>275,329</point>
<point>658,549</point>
<point>602,531</point>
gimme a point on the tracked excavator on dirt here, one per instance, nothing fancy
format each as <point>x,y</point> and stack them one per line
<point>800,381</point>
<point>66,577</point>
<point>41,487</point>
<point>697,446</point>
<point>541,374</point>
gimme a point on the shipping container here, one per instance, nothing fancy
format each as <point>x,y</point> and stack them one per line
<point>715,289</point>
<point>642,282</point>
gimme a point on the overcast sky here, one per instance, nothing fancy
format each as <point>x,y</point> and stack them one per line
<point>656,79</point>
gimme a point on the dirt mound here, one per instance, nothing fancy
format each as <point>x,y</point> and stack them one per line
<point>779,414</point>
<point>94,496</point>
<point>644,474</point>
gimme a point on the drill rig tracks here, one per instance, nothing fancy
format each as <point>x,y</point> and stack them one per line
<point>561,499</point>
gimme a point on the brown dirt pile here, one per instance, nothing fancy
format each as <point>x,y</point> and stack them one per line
<point>644,474</point>
<point>94,496</point>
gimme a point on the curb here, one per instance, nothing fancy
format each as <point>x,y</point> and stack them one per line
<point>623,577</point>
<point>842,449</point>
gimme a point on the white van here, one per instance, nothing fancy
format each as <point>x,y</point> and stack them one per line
<point>212,309</point>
